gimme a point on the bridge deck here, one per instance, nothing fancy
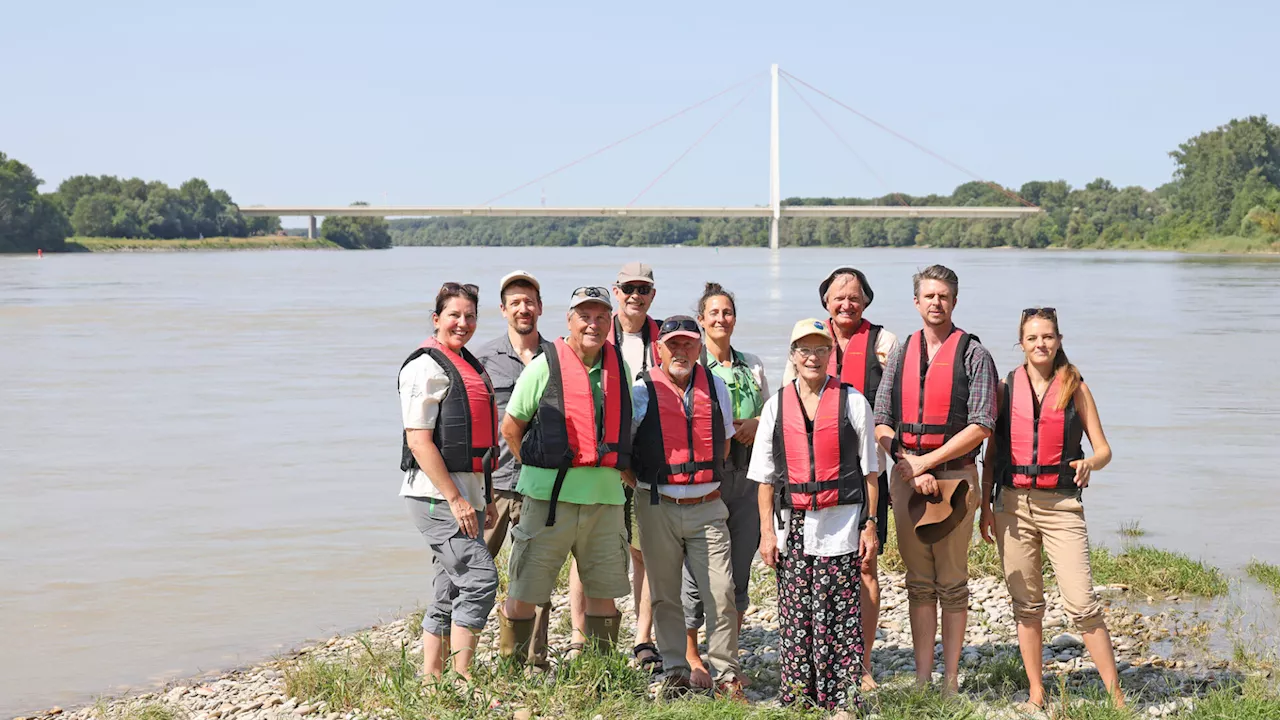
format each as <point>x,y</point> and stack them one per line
<point>797,211</point>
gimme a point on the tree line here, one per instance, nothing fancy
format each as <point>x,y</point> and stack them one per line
<point>1226,182</point>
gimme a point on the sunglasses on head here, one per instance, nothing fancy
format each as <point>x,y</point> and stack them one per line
<point>468,288</point>
<point>635,288</point>
<point>670,326</point>
<point>592,292</point>
<point>1047,312</point>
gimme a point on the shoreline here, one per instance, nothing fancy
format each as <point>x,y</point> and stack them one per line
<point>287,685</point>
<point>264,242</point>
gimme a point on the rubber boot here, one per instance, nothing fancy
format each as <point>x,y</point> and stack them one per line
<point>602,631</point>
<point>514,637</point>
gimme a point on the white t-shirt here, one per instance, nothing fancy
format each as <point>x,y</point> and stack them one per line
<point>423,384</point>
<point>640,408</point>
<point>635,354</point>
<point>830,531</point>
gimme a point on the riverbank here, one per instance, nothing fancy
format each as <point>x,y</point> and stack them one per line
<point>374,673</point>
<point>262,242</point>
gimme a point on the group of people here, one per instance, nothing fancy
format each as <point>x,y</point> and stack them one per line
<point>656,445</point>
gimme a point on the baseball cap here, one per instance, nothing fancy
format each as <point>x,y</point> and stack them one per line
<point>862,280</point>
<point>679,325</point>
<point>810,326</point>
<point>590,294</point>
<point>515,275</point>
<point>635,272</point>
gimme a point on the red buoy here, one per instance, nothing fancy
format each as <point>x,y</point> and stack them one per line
<point>39,252</point>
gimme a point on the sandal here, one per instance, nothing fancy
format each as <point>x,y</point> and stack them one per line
<point>575,649</point>
<point>652,663</point>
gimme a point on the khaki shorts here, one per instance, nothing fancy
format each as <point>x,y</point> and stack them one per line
<point>595,534</point>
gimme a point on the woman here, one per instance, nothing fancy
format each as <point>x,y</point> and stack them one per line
<point>1036,471</point>
<point>815,460</point>
<point>450,448</point>
<point>743,375</point>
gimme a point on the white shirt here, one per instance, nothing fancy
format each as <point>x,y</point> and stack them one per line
<point>637,357</point>
<point>640,408</point>
<point>830,531</point>
<point>423,384</point>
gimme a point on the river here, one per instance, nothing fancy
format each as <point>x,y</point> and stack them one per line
<point>198,464</point>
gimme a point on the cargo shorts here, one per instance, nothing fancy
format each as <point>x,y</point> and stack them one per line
<point>596,535</point>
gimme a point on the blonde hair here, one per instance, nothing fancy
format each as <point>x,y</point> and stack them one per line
<point>1068,374</point>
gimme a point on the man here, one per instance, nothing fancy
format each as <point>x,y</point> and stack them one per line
<point>636,334</point>
<point>858,358</point>
<point>504,358</point>
<point>939,404</point>
<point>568,423</point>
<point>683,420</point>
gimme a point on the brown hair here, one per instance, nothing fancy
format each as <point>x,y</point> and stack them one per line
<point>451,290</point>
<point>713,289</point>
<point>937,272</point>
<point>1068,374</point>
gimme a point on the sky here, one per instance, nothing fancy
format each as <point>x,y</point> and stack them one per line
<point>417,103</point>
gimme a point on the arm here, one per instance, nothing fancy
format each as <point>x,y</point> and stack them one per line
<point>868,540</point>
<point>1097,439</point>
<point>768,538</point>
<point>513,430</point>
<point>986,516</point>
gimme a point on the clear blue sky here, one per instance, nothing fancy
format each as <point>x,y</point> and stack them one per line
<point>322,102</point>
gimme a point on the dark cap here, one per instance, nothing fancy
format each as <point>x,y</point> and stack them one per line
<point>862,280</point>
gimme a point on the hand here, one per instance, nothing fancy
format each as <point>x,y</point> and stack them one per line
<point>769,548</point>
<point>868,541</point>
<point>629,479</point>
<point>746,430</point>
<point>925,484</point>
<point>1084,469</point>
<point>490,516</point>
<point>465,514</point>
<point>919,465</point>
<point>987,524</point>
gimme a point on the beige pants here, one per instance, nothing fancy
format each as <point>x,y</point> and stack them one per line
<point>937,573</point>
<point>1027,520</point>
<point>699,532</point>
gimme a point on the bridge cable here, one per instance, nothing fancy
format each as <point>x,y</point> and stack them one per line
<point>691,147</point>
<point>867,166</point>
<point>635,134</point>
<point>1009,193</point>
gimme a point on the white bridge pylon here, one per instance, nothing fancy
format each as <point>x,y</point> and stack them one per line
<point>775,211</point>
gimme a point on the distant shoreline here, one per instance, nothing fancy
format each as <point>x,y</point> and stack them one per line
<point>264,242</point>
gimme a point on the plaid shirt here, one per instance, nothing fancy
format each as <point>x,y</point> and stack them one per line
<point>983,382</point>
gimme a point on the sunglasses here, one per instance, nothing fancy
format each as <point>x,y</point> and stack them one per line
<point>591,292</point>
<point>467,288</point>
<point>640,289</point>
<point>670,326</point>
<point>1047,312</point>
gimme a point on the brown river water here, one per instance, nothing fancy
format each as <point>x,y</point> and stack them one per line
<point>198,451</point>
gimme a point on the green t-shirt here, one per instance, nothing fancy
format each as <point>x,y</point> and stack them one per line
<point>582,485</point>
<point>747,400</point>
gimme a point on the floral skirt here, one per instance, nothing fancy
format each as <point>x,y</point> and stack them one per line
<point>820,615</point>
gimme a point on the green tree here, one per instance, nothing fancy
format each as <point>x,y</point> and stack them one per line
<point>95,215</point>
<point>29,221</point>
<point>356,232</point>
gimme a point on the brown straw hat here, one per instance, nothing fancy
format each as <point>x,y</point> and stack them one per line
<point>935,516</point>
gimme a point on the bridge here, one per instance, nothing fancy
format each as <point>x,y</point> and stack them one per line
<point>775,211</point>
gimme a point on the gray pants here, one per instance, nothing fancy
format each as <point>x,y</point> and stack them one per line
<point>465,580</point>
<point>741,498</point>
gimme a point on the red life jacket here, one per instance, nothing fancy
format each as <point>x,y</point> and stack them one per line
<point>856,363</point>
<point>466,432</point>
<point>649,333</point>
<point>1036,442</point>
<point>931,406</point>
<point>673,447</point>
<point>821,459</point>
<point>564,433</point>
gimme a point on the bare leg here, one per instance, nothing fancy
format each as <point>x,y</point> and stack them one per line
<point>924,630</point>
<point>463,642</point>
<point>577,605</point>
<point>870,616</point>
<point>698,674</point>
<point>1098,643</point>
<point>1031,644</point>
<point>432,655</point>
<point>640,594</point>
<point>953,624</point>
<point>600,607</point>
<point>517,609</point>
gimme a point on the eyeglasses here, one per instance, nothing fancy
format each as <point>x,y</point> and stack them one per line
<point>591,292</point>
<point>1047,312</point>
<point>468,288</point>
<point>641,289</point>
<point>673,325</point>
<point>817,352</point>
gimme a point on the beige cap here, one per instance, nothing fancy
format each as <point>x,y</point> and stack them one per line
<point>515,275</point>
<point>810,326</point>
<point>591,294</point>
<point>635,272</point>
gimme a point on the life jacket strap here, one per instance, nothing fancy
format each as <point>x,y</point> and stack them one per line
<point>924,428</point>
<point>813,488</point>
<point>689,468</point>
<point>487,463</point>
<point>565,463</point>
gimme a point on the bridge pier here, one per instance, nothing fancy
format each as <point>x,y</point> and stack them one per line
<point>311,229</point>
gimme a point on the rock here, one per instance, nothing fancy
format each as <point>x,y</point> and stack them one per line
<point>522,714</point>
<point>55,710</point>
<point>303,710</point>
<point>1066,640</point>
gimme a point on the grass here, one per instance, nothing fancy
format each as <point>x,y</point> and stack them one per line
<point>911,703</point>
<point>1157,573</point>
<point>96,244</point>
<point>1131,528</point>
<point>145,711</point>
<point>1253,699</point>
<point>1002,676</point>
<point>1265,573</point>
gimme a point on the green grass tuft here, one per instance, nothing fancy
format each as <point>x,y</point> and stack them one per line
<point>1157,572</point>
<point>1252,700</point>
<point>1131,528</point>
<point>1265,573</point>
<point>1002,676</point>
<point>147,711</point>
<point>910,703</point>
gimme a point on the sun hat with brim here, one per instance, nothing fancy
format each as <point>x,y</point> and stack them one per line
<point>515,275</point>
<point>935,516</point>
<point>845,270</point>
<point>591,294</point>
<point>810,326</point>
